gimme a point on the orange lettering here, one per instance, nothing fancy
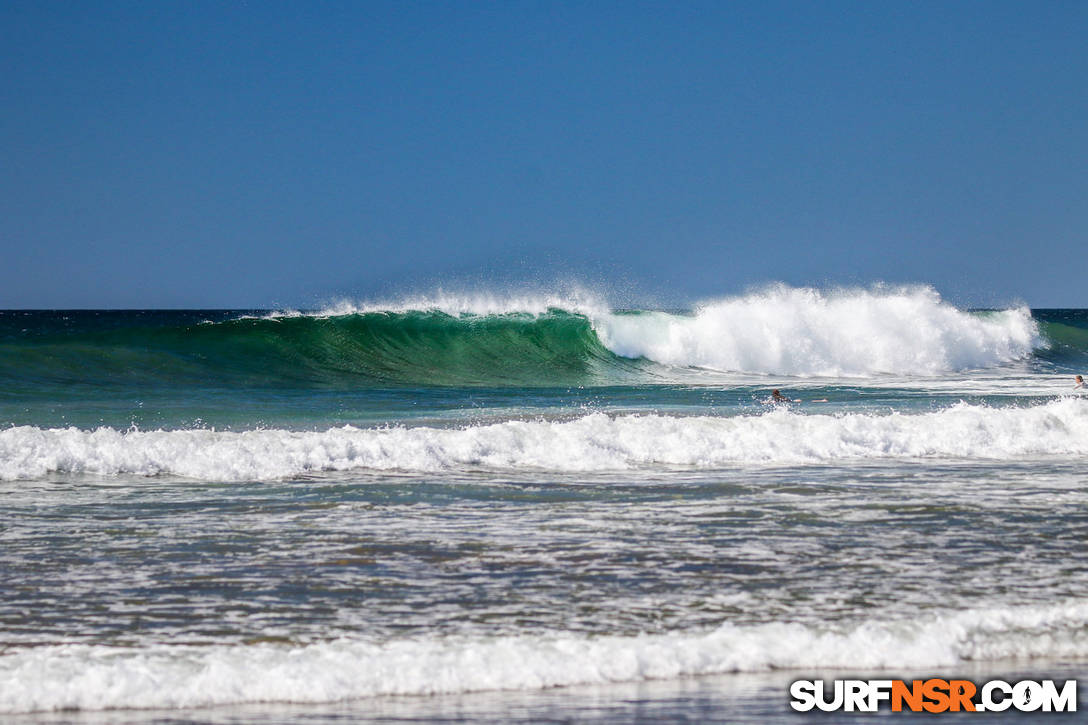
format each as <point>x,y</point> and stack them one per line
<point>961,692</point>
<point>936,691</point>
<point>912,695</point>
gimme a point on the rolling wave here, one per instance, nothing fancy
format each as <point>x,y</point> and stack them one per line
<point>530,341</point>
<point>415,347</point>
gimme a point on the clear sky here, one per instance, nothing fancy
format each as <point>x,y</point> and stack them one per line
<point>241,154</point>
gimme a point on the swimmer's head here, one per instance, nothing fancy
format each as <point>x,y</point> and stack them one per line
<point>1080,379</point>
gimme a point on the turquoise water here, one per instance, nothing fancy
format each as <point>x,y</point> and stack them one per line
<point>307,514</point>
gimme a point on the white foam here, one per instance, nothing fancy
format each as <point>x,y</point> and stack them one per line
<point>595,442</point>
<point>802,331</point>
<point>164,676</point>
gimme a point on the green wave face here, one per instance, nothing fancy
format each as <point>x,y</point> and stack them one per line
<point>1066,331</point>
<point>396,348</point>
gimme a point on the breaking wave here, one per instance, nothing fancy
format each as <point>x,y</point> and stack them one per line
<point>527,341</point>
<point>804,332</point>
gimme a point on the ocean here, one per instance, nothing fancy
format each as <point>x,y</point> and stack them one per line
<point>524,508</point>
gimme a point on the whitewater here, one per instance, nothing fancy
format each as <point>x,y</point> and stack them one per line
<point>342,669</point>
<point>810,333</point>
<point>475,502</point>
<point>595,442</point>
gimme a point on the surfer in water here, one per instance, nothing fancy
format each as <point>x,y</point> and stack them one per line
<point>1080,384</point>
<point>777,397</point>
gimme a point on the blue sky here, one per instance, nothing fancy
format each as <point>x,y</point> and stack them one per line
<point>252,154</point>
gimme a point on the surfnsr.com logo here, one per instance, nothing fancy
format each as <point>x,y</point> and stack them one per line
<point>933,695</point>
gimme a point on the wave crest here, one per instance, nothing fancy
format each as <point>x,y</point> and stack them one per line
<point>779,330</point>
<point>477,303</point>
